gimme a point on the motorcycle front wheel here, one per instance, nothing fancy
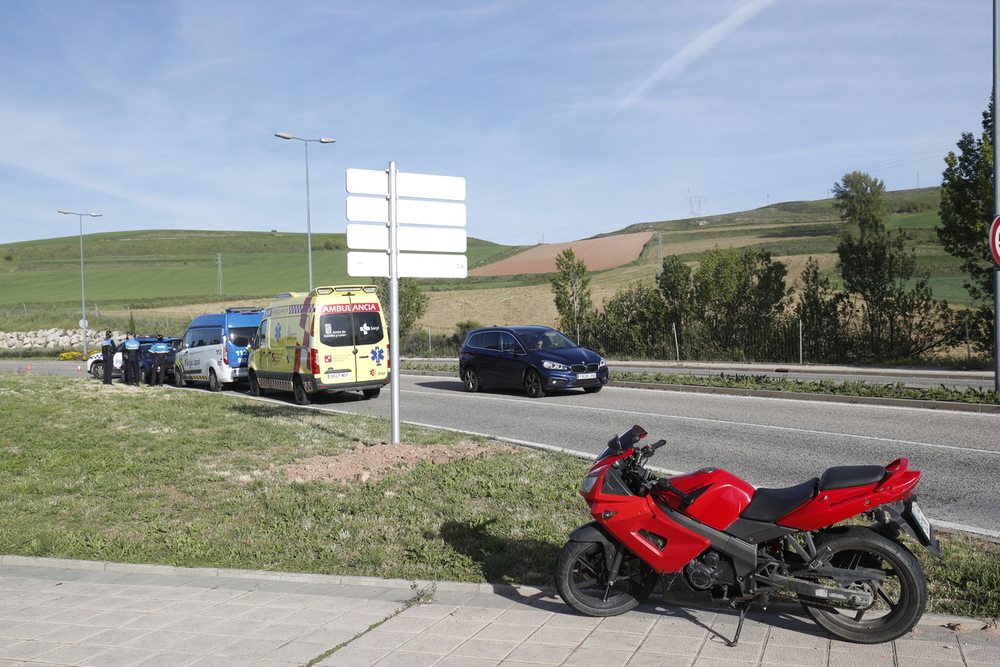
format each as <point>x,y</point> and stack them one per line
<point>582,580</point>
<point>886,570</point>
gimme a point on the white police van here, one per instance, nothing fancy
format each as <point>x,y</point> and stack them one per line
<point>214,349</point>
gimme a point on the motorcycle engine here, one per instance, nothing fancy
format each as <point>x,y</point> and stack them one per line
<point>708,570</point>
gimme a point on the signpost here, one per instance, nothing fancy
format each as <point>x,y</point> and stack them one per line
<point>430,213</point>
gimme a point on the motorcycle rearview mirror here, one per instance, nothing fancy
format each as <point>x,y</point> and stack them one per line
<point>628,439</point>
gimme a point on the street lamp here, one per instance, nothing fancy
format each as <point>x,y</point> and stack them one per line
<point>83,289</point>
<point>305,142</point>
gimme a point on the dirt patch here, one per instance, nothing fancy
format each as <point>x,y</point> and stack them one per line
<point>598,254</point>
<point>365,462</point>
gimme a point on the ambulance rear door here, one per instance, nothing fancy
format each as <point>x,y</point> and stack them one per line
<point>353,338</point>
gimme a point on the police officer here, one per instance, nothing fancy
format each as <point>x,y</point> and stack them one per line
<point>159,350</point>
<point>108,356</point>
<point>130,360</point>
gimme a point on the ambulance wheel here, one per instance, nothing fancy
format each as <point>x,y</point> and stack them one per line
<point>255,388</point>
<point>213,381</point>
<point>371,393</point>
<point>179,377</point>
<point>97,370</point>
<point>299,390</point>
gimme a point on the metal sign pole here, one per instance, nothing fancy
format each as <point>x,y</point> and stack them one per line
<point>394,305</point>
<point>996,194</point>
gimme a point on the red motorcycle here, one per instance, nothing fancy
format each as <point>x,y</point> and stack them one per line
<point>710,532</point>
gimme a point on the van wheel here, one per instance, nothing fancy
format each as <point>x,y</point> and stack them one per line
<point>213,381</point>
<point>301,397</point>
<point>179,377</point>
<point>533,384</point>
<point>371,393</point>
<point>255,388</point>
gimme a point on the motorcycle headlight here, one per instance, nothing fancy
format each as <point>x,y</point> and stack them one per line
<point>553,366</point>
<point>587,484</point>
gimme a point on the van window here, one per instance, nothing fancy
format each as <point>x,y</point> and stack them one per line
<point>350,329</point>
<point>491,340</point>
<point>240,336</point>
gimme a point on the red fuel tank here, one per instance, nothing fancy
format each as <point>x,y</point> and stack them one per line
<point>721,496</point>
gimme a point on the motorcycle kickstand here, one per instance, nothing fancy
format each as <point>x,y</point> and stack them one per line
<point>739,626</point>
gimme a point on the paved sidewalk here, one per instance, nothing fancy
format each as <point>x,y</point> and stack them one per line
<point>81,613</point>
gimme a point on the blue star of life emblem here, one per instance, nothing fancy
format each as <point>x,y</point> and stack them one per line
<point>378,355</point>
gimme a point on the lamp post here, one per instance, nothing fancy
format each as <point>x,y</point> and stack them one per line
<point>83,289</point>
<point>305,142</point>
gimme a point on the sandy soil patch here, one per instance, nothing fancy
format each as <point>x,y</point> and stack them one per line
<point>366,462</point>
<point>598,254</point>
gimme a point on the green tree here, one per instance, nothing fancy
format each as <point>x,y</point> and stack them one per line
<point>412,302</point>
<point>571,286</point>
<point>967,208</point>
<point>824,313</point>
<point>859,198</point>
<point>631,325</point>
<point>897,320</point>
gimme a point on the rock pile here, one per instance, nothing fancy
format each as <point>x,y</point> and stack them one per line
<point>52,338</point>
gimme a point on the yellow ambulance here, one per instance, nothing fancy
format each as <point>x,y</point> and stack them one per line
<point>329,340</point>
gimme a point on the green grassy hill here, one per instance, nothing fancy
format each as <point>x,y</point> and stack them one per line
<point>145,269</point>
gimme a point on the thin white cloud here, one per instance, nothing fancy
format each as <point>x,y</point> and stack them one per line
<point>696,49</point>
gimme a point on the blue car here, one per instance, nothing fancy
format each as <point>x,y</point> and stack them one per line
<point>535,358</point>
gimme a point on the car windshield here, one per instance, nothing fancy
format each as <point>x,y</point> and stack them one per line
<point>544,340</point>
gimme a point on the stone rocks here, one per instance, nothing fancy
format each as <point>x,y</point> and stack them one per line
<point>53,338</point>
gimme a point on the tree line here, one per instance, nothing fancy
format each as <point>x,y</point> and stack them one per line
<point>735,304</point>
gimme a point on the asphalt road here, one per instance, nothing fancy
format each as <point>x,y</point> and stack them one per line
<point>769,442</point>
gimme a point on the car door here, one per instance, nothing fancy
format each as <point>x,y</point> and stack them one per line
<point>510,362</point>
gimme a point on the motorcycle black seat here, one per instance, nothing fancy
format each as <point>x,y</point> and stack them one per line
<point>843,477</point>
<point>772,504</point>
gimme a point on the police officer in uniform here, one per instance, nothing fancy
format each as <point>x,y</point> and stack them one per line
<point>108,356</point>
<point>159,350</point>
<point>130,360</point>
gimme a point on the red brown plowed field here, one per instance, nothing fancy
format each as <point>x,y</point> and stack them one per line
<point>598,254</point>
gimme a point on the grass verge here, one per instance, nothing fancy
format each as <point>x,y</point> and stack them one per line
<point>195,479</point>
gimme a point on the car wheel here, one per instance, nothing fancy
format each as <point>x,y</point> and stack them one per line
<point>179,377</point>
<point>97,370</point>
<point>371,393</point>
<point>144,376</point>
<point>471,380</point>
<point>299,390</point>
<point>255,388</point>
<point>593,390</point>
<point>213,381</point>
<point>533,384</point>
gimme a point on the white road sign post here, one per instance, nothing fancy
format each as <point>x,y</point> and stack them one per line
<point>431,212</point>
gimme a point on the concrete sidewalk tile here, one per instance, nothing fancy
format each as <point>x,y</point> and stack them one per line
<point>156,641</point>
<point>558,636</point>
<point>672,645</point>
<point>451,627</point>
<point>597,657</point>
<point>28,630</point>
<point>651,660</point>
<point>465,661</point>
<point>400,659</point>
<point>168,659</point>
<point>619,640</point>
<point>28,650</point>
<point>572,622</point>
<point>518,633</point>
<point>117,657</point>
<point>496,649</point>
<point>409,624</point>
<point>861,659</point>
<point>543,654</point>
<point>73,654</point>
<point>802,656</point>
<point>435,644</point>
<point>521,616</point>
<point>382,639</point>
<point>191,624</point>
<point>929,649</point>
<point>354,656</point>
<point>628,623</point>
<point>989,655</point>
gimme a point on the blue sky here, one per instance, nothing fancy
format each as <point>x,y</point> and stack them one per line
<point>566,118</point>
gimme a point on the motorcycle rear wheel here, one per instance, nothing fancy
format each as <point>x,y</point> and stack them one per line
<point>899,599</point>
<point>582,575</point>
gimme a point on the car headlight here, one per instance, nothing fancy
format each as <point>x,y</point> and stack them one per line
<point>553,366</point>
<point>602,363</point>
